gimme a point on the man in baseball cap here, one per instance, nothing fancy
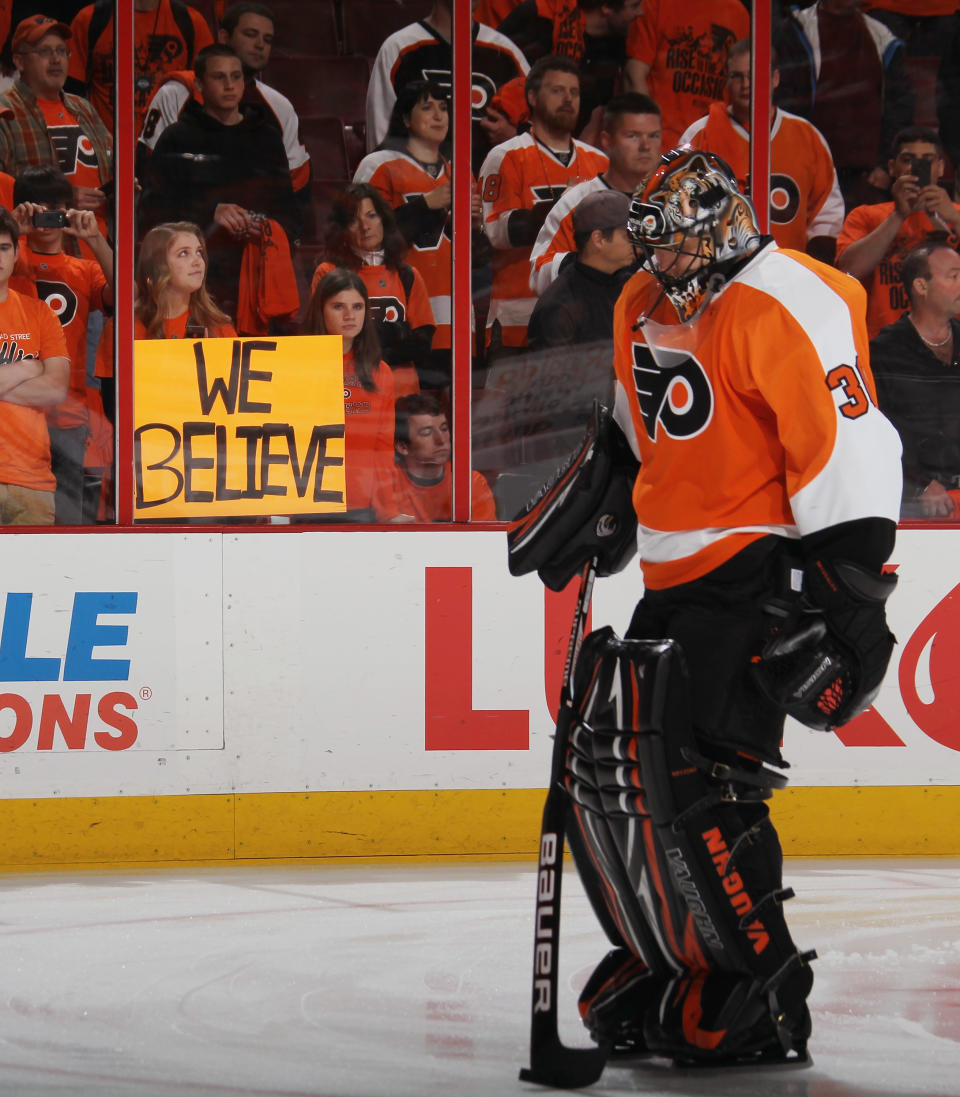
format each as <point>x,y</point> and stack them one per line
<point>44,126</point>
<point>577,307</point>
<point>31,30</point>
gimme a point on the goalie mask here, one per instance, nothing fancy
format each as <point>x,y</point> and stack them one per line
<point>692,225</point>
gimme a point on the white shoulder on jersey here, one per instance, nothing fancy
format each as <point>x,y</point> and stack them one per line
<point>165,108</point>
<point>283,111</point>
<point>495,157</point>
<point>542,276</point>
<point>493,37</point>
<point>692,130</point>
<point>862,477</point>
<point>372,162</point>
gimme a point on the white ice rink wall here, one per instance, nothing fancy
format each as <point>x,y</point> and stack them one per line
<point>296,694</point>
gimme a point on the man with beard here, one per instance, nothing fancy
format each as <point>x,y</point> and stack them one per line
<point>520,182</point>
<point>247,28</point>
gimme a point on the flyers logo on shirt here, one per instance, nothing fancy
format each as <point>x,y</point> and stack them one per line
<point>73,148</point>
<point>674,392</point>
<point>387,310</point>
<point>60,297</point>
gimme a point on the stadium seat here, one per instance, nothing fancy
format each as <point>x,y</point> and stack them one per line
<point>324,87</point>
<point>366,23</point>
<point>306,29</point>
<point>323,138</point>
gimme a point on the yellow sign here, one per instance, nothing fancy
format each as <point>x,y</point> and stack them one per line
<point>230,427</point>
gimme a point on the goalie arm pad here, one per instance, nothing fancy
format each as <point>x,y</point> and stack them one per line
<point>585,512</point>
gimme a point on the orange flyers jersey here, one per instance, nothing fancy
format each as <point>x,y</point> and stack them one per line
<point>886,297</point>
<point>758,418</point>
<point>28,329</point>
<point>72,288</point>
<point>686,46</point>
<point>368,432</point>
<point>400,494</point>
<point>805,198</point>
<point>399,178</point>
<point>555,239</point>
<point>520,174</point>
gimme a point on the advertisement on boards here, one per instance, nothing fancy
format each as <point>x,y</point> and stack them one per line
<point>116,650</point>
<point>339,660</point>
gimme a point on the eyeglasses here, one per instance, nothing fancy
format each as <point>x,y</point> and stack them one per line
<point>49,52</point>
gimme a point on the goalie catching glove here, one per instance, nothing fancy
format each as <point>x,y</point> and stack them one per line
<point>826,659</point>
<point>586,511</point>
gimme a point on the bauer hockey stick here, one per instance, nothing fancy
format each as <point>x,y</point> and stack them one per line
<point>552,1063</point>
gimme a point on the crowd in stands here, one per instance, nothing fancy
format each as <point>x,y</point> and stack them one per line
<point>295,175</point>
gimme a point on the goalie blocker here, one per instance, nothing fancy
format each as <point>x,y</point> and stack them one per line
<point>586,512</point>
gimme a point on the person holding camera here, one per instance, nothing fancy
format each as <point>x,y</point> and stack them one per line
<point>875,238</point>
<point>73,287</point>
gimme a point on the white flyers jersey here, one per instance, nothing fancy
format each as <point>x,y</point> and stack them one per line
<point>758,418</point>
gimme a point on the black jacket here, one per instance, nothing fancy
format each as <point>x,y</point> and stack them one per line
<point>577,307</point>
<point>920,395</point>
<point>199,162</point>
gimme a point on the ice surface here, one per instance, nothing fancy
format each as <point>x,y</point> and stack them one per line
<point>414,981</point>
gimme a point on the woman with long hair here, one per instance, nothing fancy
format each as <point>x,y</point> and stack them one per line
<point>172,300</point>
<point>362,236</point>
<point>339,305</point>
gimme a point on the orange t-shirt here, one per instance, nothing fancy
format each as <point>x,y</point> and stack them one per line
<point>886,297</point>
<point>686,46</point>
<point>175,327</point>
<point>368,432</point>
<point>400,493</point>
<point>158,47</point>
<point>72,288</point>
<point>28,329</point>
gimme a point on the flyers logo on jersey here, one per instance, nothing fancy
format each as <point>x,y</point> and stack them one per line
<point>674,393</point>
<point>387,310</point>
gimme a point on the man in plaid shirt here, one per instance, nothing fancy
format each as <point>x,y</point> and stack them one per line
<point>41,125</point>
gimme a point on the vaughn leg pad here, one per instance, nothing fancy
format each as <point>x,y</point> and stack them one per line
<point>676,850</point>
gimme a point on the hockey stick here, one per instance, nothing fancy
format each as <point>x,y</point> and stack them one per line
<point>552,1063</point>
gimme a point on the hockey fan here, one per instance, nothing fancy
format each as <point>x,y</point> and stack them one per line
<point>765,504</point>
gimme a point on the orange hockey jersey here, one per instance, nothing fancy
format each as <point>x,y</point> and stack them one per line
<point>517,175</point>
<point>686,46</point>
<point>758,418</point>
<point>886,297</point>
<point>805,198</point>
<point>401,179</point>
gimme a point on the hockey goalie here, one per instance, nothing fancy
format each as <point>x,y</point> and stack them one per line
<point>747,462</point>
